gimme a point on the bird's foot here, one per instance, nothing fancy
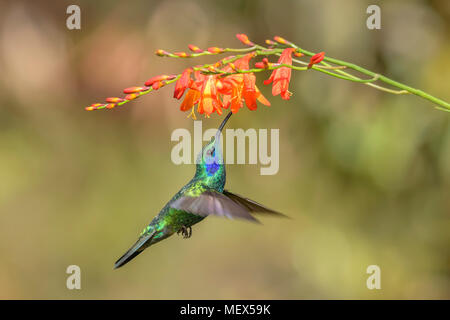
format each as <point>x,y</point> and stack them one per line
<point>186,232</point>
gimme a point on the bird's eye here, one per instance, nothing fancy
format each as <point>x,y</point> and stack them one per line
<point>210,152</point>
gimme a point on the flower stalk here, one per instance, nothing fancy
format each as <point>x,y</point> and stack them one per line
<point>230,82</point>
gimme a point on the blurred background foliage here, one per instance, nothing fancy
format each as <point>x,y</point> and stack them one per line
<point>364,175</point>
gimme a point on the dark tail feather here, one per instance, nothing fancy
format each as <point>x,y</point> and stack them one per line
<point>136,249</point>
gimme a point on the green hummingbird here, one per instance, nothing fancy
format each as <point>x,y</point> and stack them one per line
<point>204,195</point>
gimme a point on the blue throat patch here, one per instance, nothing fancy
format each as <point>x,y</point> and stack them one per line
<point>212,168</point>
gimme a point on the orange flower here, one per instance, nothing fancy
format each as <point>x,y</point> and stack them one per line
<point>204,92</point>
<point>209,100</point>
<point>190,100</point>
<point>212,93</point>
<point>281,76</point>
<point>182,83</point>
<point>237,88</point>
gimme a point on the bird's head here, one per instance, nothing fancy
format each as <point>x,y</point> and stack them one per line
<point>210,160</point>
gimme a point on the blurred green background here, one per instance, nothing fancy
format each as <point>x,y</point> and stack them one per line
<point>365,175</point>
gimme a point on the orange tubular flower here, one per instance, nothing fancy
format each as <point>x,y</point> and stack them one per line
<point>281,76</point>
<point>182,83</point>
<point>209,100</point>
<point>241,87</point>
<point>192,97</point>
<point>204,92</point>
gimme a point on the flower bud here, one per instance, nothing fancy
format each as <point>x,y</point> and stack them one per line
<point>215,50</point>
<point>181,54</point>
<point>280,40</point>
<point>131,96</point>
<point>134,89</point>
<point>194,48</point>
<point>244,39</point>
<point>161,53</point>
<point>114,99</point>
<point>318,57</point>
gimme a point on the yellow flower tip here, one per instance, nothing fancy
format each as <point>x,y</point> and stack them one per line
<point>90,108</point>
<point>134,89</point>
<point>244,39</point>
<point>113,100</point>
<point>131,96</point>
<point>161,53</point>
<point>215,50</point>
<point>194,48</point>
<point>280,40</point>
<point>181,54</point>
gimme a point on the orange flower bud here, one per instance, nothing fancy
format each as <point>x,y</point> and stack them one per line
<point>298,54</point>
<point>157,85</point>
<point>114,99</point>
<point>134,89</point>
<point>161,53</point>
<point>280,40</point>
<point>270,42</point>
<point>264,64</point>
<point>131,96</point>
<point>95,106</point>
<point>181,54</point>
<point>161,77</point>
<point>110,105</point>
<point>194,48</point>
<point>215,50</point>
<point>318,57</point>
<point>260,65</point>
<point>244,39</point>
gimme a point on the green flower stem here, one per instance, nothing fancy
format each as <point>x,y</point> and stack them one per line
<point>420,93</point>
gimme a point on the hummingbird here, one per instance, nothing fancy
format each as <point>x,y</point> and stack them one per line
<point>203,196</point>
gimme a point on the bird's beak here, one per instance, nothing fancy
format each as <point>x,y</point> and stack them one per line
<point>222,125</point>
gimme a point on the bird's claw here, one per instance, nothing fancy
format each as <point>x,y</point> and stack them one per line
<point>186,232</point>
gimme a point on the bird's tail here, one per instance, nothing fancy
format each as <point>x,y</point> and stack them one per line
<point>143,242</point>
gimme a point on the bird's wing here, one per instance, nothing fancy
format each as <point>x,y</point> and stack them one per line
<point>211,202</point>
<point>251,205</point>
